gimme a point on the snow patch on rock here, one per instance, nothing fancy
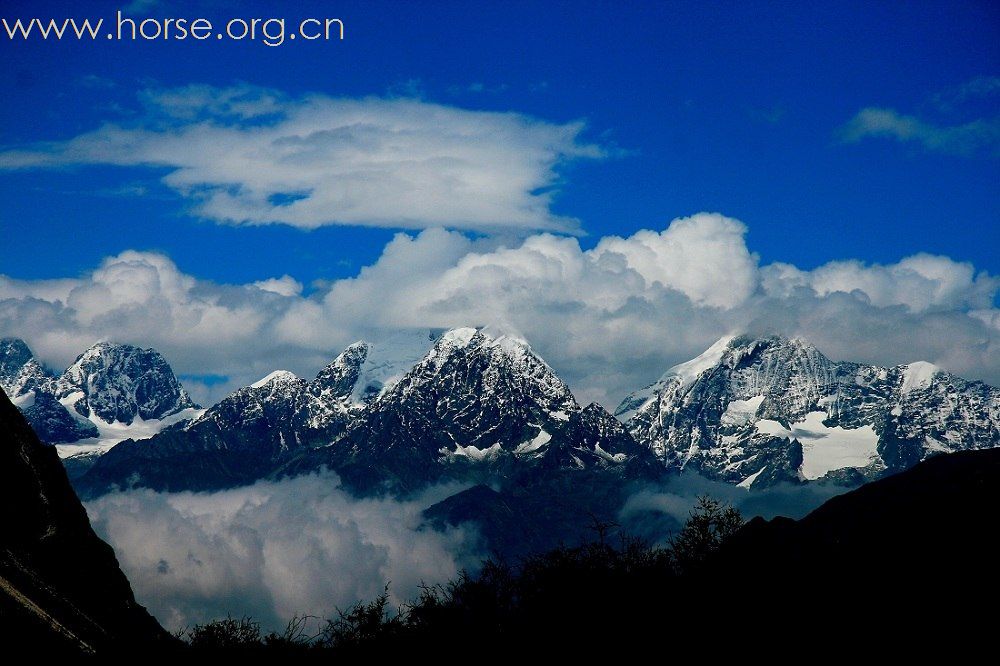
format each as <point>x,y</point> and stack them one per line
<point>825,448</point>
<point>281,376</point>
<point>540,440</point>
<point>741,412</point>
<point>918,375</point>
<point>111,434</point>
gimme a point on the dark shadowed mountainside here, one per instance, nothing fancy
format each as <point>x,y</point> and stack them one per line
<point>60,586</point>
<point>924,533</point>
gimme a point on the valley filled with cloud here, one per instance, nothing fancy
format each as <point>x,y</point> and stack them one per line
<point>275,550</point>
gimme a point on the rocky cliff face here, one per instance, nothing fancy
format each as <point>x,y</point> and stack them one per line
<point>52,422</point>
<point>60,585</point>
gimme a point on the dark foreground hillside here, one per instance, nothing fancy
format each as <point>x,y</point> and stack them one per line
<point>930,530</point>
<point>60,586</point>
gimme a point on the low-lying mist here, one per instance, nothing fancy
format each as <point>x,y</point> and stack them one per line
<point>654,511</point>
<point>275,549</point>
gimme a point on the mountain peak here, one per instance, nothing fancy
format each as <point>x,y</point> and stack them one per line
<point>458,337</point>
<point>757,410</point>
<point>690,370</point>
<point>14,350</point>
<point>489,337</point>
<point>276,377</point>
<point>118,383</point>
<point>918,375</point>
<point>20,372</point>
<point>105,347</point>
<point>368,368</point>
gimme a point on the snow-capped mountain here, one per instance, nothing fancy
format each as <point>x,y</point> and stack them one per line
<point>363,372</point>
<point>110,393</point>
<point>236,441</point>
<point>471,405</point>
<point>250,433</point>
<point>120,384</point>
<point>29,385</point>
<point>475,406</point>
<point>756,411</point>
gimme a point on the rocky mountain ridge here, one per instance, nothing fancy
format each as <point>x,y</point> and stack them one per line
<point>479,407</point>
<point>761,410</point>
<point>474,406</point>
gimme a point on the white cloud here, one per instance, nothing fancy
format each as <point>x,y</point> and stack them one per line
<point>921,282</point>
<point>609,319</point>
<point>246,155</point>
<point>275,549</point>
<point>144,299</point>
<point>975,90</point>
<point>965,138</point>
<point>703,256</point>
<point>286,285</point>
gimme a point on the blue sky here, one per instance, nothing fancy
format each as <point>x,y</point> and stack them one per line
<point>729,107</point>
<point>238,206</point>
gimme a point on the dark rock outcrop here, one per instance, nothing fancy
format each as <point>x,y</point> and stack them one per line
<point>53,423</point>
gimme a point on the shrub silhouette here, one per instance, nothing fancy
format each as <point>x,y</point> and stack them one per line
<point>711,522</point>
<point>230,633</point>
<point>362,625</point>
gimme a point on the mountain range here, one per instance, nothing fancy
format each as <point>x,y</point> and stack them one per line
<point>109,393</point>
<point>760,410</point>
<point>481,408</point>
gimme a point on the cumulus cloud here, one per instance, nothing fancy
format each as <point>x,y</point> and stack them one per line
<point>609,319</point>
<point>247,155</point>
<point>704,257</point>
<point>274,550</point>
<point>144,299</point>
<point>921,282</point>
<point>286,285</point>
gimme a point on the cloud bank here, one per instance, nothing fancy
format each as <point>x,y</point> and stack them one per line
<point>610,319</point>
<point>274,550</point>
<point>248,155</point>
